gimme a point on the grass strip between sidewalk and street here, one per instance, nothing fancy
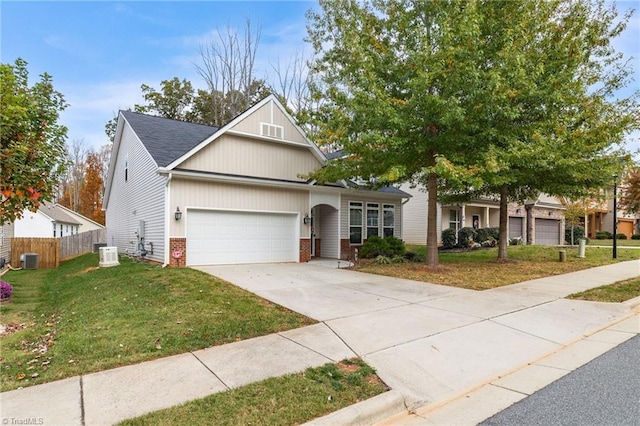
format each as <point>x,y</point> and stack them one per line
<point>616,293</point>
<point>287,400</point>
<point>79,319</point>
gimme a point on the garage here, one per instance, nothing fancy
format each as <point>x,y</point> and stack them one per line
<point>515,228</point>
<point>216,237</point>
<point>547,232</point>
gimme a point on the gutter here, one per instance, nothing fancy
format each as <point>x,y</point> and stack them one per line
<point>167,222</point>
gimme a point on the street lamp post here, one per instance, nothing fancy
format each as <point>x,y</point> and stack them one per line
<point>615,216</point>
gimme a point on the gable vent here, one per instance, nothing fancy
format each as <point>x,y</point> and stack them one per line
<point>272,130</point>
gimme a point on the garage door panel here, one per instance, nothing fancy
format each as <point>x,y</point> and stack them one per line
<point>547,232</point>
<point>226,237</point>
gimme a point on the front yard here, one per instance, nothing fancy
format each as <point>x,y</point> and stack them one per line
<point>79,318</point>
<point>479,270</point>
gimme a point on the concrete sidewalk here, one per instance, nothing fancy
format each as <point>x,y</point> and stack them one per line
<point>429,343</point>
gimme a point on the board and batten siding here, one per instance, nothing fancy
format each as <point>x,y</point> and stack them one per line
<point>237,155</point>
<point>270,114</point>
<point>140,197</point>
<point>329,238</point>
<point>188,194</point>
<point>344,212</point>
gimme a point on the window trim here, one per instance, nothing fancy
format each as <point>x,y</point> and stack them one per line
<point>373,207</point>
<point>392,227</point>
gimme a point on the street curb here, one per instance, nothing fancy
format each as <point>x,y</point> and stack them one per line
<point>366,412</point>
<point>633,304</point>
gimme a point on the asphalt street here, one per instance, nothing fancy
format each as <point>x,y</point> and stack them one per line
<point>605,391</point>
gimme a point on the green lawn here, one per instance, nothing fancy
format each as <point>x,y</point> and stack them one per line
<point>628,243</point>
<point>79,319</point>
<point>617,292</point>
<point>479,270</point>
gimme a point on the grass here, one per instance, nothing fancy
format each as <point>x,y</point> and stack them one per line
<point>627,243</point>
<point>479,270</point>
<point>79,319</point>
<point>286,400</point>
<point>618,292</point>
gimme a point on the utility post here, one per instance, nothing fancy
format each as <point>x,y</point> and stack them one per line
<point>615,216</point>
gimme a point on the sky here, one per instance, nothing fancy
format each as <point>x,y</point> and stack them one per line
<point>99,53</point>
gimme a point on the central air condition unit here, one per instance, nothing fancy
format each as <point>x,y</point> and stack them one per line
<point>29,261</point>
<point>108,257</point>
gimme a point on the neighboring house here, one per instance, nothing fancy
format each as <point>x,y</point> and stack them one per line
<point>535,222</point>
<point>86,224</point>
<point>51,220</point>
<point>190,194</point>
<point>600,217</point>
<point>6,233</point>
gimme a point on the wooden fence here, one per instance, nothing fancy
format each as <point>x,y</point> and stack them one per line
<point>51,251</point>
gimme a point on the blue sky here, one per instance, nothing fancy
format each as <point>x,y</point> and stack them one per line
<point>100,52</point>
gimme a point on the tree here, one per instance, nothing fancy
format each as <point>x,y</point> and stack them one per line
<point>92,189</point>
<point>630,191</point>
<point>488,97</point>
<point>173,101</point>
<point>393,79</point>
<point>551,120</point>
<point>32,154</point>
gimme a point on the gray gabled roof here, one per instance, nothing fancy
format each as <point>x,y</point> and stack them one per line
<point>57,214</point>
<point>166,139</point>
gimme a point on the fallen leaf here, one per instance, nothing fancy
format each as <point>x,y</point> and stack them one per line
<point>21,376</point>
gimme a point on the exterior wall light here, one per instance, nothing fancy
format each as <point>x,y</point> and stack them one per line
<point>178,214</point>
<point>306,219</point>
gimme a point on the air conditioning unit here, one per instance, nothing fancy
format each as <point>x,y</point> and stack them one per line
<point>29,261</point>
<point>108,257</point>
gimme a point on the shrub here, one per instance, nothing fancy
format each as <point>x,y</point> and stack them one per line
<point>494,233</point>
<point>578,232</point>
<point>635,237</point>
<point>449,238</point>
<point>6,290</point>
<point>382,260</point>
<point>376,246</point>
<point>398,259</point>
<point>604,235</point>
<point>465,236</point>
<point>482,235</point>
<point>621,236</point>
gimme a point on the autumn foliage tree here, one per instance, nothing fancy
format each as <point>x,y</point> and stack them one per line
<point>92,189</point>
<point>630,191</point>
<point>32,154</point>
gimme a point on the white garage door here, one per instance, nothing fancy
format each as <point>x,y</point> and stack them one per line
<point>547,232</point>
<point>226,237</point>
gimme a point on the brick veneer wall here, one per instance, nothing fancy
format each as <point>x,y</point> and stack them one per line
<point>305,249</point>
<point>181,245</point>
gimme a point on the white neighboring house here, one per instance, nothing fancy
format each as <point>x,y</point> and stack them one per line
<point>86,224</point>
<point>51,220</point>
<point>6,233</point>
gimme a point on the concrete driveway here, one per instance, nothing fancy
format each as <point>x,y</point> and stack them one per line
<point>431,342</point>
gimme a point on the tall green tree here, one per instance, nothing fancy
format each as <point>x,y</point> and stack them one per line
<point>551,119</point>
<point>392,78</point>
<point>32,151</point>
<point>173,100</point>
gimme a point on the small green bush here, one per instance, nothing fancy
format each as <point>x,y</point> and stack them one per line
<point>465,236</point>
<point>482,235</point>
<point>493,233</point>
<point>604,235</point>
<point>449,238</point>
<point>578,232</point>
<point>635,237</point>
<point>621,236</point>
<point>376,246</point>
<point>382,260</point>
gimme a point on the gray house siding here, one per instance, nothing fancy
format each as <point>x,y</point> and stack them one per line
<point>140,197</point>
<point>6,233</point>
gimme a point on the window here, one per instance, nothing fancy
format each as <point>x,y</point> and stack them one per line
<point>272,130</point>
<point>454,221</point>
<point>60,230</point>
<point>355,222</point>
<point>389,217</point>
<point>54,230</point>
<point>126,168</point>
<point>373,213</point>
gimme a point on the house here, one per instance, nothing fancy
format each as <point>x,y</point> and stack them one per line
<point>535,222</point>
<point>6,233</point>
<point>190,194</point>
<point>50,220</point>
<point>600,218</point>
<point>86,224</point>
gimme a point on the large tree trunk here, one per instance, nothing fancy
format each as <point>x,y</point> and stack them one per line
<point>432,217</point>
<point>504,218</point>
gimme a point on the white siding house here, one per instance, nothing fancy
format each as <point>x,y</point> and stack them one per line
<point>235,194</point>
<point>49,221</point>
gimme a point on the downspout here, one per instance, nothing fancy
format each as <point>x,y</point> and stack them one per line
<point>167,222</point>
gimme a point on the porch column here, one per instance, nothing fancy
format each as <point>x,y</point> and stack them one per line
<point>463,216</point>
<point>486,218</point>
